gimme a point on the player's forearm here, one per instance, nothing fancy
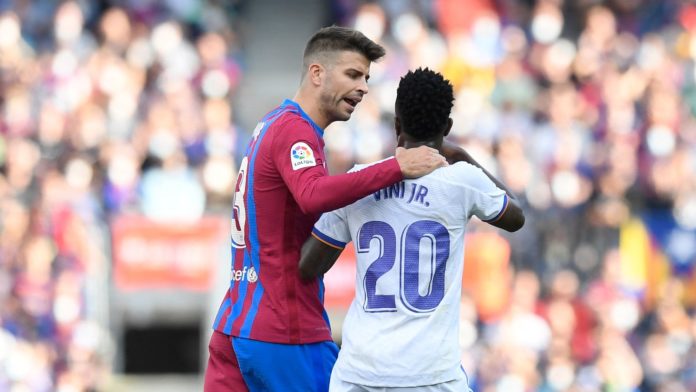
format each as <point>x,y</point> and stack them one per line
<point>316,258</point>
<point>454,153</point>
<point>321,193</point>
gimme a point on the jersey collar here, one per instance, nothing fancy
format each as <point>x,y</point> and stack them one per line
<point>317,128</point>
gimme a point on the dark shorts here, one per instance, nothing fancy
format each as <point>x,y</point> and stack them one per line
<point>239,364</point>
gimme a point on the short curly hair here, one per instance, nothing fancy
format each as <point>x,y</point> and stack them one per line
<point>424,101</point>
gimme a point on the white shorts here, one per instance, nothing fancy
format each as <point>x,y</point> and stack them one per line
<point>459,385</point>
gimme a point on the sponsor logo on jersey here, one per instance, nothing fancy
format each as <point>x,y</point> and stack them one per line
<point>248,274</point>
<point>301,155</point>
<point>252,276</point>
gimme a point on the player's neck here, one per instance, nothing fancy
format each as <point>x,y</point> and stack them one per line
<point>436,144</point>
<point>309,106</point>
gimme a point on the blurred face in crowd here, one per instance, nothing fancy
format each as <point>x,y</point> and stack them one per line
<point>69,22</point>
<point>115,25</point>
<point>343,84</point>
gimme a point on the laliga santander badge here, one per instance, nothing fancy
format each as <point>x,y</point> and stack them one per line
<point>301,155</point>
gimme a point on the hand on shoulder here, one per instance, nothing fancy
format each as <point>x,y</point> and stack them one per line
<point>419,161</point>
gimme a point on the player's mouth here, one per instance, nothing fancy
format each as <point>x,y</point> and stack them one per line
<point>352,101</point>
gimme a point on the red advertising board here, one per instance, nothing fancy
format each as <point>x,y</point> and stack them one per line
<point>487,273</point>
<point>152,255</point>
<point>339,282</point>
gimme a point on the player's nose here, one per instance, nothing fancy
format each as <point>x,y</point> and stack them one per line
<point>362,87</point>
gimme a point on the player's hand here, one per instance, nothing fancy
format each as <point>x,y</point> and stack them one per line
<point>417,162</point>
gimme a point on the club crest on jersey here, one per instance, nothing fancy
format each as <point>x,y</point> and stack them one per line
<point>301,155</point>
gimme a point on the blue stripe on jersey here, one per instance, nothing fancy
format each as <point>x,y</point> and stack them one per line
<point>228,302</point>
<point>328,239</point>
<point>502,210</point>
<point>304,115</point>
<point>239,304</point>
<point>254,239</point>
<point>321,299</point>
<point>228,325</point>
<point>223,309</point>
<point>272,113</point>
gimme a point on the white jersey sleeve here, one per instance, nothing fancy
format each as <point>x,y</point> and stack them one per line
<point>332,229</point>
<point>487,201</point>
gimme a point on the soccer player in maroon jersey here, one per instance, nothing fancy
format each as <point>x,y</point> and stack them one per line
<point>271,332</point>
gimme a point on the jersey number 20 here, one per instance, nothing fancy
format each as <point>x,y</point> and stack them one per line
<point>434,234</point>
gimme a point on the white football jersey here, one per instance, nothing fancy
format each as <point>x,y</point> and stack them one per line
<point>402,328</point>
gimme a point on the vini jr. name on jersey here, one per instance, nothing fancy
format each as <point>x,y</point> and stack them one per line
<point>416,193</point>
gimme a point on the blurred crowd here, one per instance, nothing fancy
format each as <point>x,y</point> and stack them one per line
<point>104,110</point>
<point>584,108</point>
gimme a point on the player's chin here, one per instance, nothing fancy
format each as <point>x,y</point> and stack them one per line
<point>343,115</point>
<point>346,110</point>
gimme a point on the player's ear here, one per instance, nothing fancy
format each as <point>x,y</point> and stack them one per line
<point>397,128</point>
<point>315,73</point>
<point>449,127</point>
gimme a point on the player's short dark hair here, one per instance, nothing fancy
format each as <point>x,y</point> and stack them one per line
<point>336,38</point>
<point>424,101</point>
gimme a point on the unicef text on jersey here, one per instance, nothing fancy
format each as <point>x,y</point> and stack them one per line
<point>244,274</point>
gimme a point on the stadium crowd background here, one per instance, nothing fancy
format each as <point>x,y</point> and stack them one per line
<point>584,108</point>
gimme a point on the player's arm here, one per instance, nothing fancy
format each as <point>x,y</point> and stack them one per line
<point>316,192</point>
<point>321,250</point>
<point>317,257</point>
<point>511,217</point>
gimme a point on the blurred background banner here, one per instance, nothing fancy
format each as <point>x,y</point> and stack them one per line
<point>487,273</point>
<point>339,282</point>
<point>151,255</point>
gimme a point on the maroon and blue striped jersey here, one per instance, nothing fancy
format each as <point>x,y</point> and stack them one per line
<point>282,188</point>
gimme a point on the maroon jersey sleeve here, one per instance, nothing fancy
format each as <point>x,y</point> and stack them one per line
<point>299,157</point>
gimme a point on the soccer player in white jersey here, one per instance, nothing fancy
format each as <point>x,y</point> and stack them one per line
<point>401,331</point>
